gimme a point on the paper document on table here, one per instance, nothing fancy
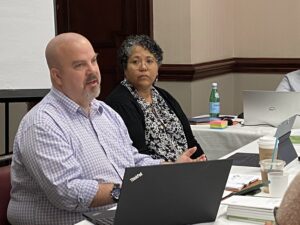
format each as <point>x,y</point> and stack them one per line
<point>252,202</point>
<point>251,209</point>
<point>113,208</point>
<point>199,120</point>
<point>205,119</point>
<point>236,182</point>
<point>226,194</point>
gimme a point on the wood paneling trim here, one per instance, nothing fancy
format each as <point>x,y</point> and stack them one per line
<point>266,65</point>
<point>190,72</point>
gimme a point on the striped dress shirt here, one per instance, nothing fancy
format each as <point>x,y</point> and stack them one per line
<point>61,154</point>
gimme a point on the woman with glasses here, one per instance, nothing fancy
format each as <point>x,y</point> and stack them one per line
<point>156,123</point>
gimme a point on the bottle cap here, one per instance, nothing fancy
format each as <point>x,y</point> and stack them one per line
<point>214,84</point>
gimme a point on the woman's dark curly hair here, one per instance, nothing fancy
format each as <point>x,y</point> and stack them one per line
<point>138,40</point>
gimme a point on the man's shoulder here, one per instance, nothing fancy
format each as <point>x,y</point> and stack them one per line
<point>294,74</point>
<point>44,112</point>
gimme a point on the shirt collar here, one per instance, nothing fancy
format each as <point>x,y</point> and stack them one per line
<point>72,106</point>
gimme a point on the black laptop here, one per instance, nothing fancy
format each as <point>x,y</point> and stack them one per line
<point>286,150</point>
<point>185,193</point>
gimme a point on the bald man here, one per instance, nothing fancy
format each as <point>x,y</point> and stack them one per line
<point>70,150</point>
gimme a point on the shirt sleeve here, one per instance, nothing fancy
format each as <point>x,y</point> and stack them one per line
<point>49,158</point>
<point>284,85</point>
<point>139,159</point>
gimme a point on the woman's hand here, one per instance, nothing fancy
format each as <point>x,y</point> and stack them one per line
<point>202,158</point>
<point>186,156</point>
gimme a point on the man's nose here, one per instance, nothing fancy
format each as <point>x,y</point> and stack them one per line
<point>93,67</point>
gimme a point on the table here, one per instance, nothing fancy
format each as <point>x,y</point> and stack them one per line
<point>292,169</point>
<point>219,142</point>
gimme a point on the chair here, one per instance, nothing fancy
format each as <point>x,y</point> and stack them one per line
<point>5,187</point>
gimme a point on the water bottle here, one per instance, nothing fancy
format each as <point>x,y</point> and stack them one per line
<point>214,102</point>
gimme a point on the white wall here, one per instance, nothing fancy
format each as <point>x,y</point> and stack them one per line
<point>193,96</point>
<point>172,28</point>
<point>268,28</point>
<point>26,27</point>
<point>195,31</point>
<point>220,30</point>
<point>212,27</point>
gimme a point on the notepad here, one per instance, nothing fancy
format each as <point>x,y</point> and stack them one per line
<point>218,124</point>
<point>237,182</point>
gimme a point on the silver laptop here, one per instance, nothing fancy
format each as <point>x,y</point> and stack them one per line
<point>185,193</point>
<point>270,107</point>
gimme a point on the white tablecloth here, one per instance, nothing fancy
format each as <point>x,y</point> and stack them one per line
<point>219,142</point>
<point>292,169</point>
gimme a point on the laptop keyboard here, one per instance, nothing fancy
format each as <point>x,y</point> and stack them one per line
<point>105,221</point>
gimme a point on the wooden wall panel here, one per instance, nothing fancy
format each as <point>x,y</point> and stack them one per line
<point>105,24</point>
<point>190,72</point>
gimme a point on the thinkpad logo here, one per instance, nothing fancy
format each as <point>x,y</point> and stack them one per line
<point>136,177</point>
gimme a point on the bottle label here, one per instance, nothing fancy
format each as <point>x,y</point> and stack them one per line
<point>214,107</point>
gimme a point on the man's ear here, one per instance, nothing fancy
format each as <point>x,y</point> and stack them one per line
<point>56,76</point>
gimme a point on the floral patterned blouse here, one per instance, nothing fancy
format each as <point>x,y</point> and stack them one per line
<point>164,133</point>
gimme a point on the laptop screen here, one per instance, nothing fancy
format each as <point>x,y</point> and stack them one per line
<point>270,107</point>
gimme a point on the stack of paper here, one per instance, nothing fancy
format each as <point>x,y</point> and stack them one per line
<point>251,209</point>
<point>237,182</point>
<point>205,119</point>
<point>200,119</point>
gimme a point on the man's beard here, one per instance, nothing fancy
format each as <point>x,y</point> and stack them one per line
<point>94,93</point>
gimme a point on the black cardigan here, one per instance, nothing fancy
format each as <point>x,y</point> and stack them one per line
<point>122,101</point>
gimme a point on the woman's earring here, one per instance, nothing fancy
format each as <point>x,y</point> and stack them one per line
<point>156,79</point>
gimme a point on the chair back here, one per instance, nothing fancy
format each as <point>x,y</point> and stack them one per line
<point>5,187</point>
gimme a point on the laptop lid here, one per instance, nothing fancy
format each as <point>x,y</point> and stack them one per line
<point>286,150</point>
<point>270,107</point>
<point>184,193</point>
